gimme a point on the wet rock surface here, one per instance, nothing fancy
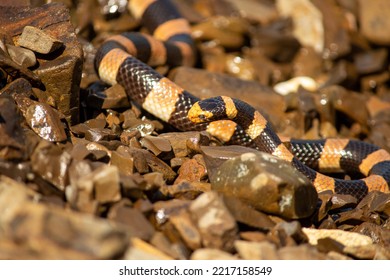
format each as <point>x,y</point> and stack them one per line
<point>86,174</point>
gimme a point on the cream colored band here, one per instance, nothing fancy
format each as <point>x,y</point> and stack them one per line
<point>109,66</point>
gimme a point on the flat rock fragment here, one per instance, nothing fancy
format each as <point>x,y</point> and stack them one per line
<point>37,40</point>
<point>216,225</point>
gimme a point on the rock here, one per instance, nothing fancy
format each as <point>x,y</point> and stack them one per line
<point>164,209</point>
<point>160,147</point>
<point>336,35</point>
<point>257,179</point>
<point>140,250</point>
<point>340,201</point>
<point>38,41</point>
<point>256,250</point>
<point>370,61</point>
<point>224,31</point>
<point>376,202</point>
<point>192,171</point>
<point>22,56</point>
<point>301,252</point>
<point>112,98</point>
<point>328,244</point>
<point>211,254</point>
<point>247,215</point>
<point>188,231</point>
<point>161,242</point>
<point>12,142</point>
<point>123,161</point>
<point>51,163</point>
<point>292,85</point>
<point>186,143</point>
<point>155,164</point>
<point>185,190</point>
<point>294,230</point>
<point>45,121</point>
<point>135,222</point>
<point>60,74</point>
<point>270,42</point>
<point>345,238</point>
<point>368,252</point>
<point>307,20</point>
<point>378,234</point>
<point>374,20</point>
<point>55,233</point>
<point>215,223</point>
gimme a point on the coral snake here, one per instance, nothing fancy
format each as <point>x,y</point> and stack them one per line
<point>128,58</point>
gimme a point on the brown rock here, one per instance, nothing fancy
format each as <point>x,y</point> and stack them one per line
<point>374,20</point>
<point>12,137</point>
<point>266,183</point>
<point>140,250</point>
<point>371,61</point>
<point>22,56</point>
<point>191,171</point>
<point>347,239</point>
<point>215,223</point>
<point>37,40</point>
<point>256,250</point>
<point>160,147</point>
<point>60,74</point>
<point>378,234</point>
<point>51,163</point>
<point>247,215</point>
<point>123,161</point>
<point>368,252</point>
<point>188,231</point>
<point>112,98</point>
<point>185,143</point>
<point>135,222</point>
<point>45,121</point>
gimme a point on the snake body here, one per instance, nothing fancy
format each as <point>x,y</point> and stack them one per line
<point>127,59</point>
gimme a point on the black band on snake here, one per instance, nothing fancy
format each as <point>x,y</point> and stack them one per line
<point>123,59</point>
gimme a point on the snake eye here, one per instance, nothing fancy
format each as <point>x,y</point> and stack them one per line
<point>202,117</point>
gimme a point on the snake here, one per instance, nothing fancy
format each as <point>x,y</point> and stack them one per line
<point>332,155</point>
<point>129,59</point>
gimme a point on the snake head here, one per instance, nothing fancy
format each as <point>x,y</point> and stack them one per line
<point>198,114</point>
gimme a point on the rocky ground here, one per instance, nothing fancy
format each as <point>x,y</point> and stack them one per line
<point>85,174</point>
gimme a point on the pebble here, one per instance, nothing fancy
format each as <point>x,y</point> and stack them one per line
<point>308,22</point>
<point>216,224</point>
<point>23,57</point>
<point>267,183</point>
<point>245,214</point>
<point>140,250</point>
<point>187,229</point>
<point>38,41</point>
<point>12,137</point>
<point>256,250</point>
<point>347,239</point>
<point>374,20</point>
<point>135,222</point>
<point>45,121</point>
